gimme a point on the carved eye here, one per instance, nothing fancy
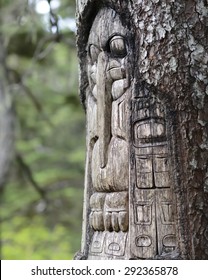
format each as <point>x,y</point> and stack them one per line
<point>117,46</point>
<point>93,52</point>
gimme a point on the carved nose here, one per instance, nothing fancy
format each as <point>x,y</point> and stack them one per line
<point>103,109</point>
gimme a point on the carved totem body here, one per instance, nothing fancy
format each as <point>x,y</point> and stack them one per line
<point>107,111</point>
<point>144,85</point>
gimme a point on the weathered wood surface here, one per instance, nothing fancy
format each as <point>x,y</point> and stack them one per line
<point>144,85</point>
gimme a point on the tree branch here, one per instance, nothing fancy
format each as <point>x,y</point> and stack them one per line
<point>27,171</point>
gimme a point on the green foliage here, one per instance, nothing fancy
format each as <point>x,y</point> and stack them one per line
<point>34,240</point>
<point>41,209</point>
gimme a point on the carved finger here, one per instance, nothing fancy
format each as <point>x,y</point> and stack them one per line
<point>96,220</point>
<point>123,221</point>
<point>99,221</point>
<point>114,221</point>
<point>107,221</point>
<point>91,219</point>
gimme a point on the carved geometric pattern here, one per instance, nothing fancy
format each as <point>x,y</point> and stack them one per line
<point>97,242</point>
<point>115,243</point>
<point>143,241</point>
<point>169,243</point>
<point>143,213</point>
<point>167,216</point>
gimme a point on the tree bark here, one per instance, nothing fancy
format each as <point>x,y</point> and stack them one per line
<point>144,85</point>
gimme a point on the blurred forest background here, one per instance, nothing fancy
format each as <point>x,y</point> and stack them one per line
<point>41,196</point>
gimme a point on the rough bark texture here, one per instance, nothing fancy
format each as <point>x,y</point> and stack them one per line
<point>144,85</point>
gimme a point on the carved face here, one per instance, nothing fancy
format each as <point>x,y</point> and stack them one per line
<point>107,43</point>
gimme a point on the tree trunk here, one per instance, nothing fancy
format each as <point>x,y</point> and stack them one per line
<point>6,120</point>
<point>144,85</point>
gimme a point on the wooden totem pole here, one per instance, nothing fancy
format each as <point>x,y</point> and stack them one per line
<point>144,85</point>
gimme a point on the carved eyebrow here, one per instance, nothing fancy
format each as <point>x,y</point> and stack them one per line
<point>116,34</point>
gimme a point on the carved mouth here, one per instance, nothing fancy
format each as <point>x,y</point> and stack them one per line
<point>113,68</point>
<point>114,65</point>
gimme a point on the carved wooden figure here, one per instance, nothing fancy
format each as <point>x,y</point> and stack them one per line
<point>136,201</point>
<point>107,114</point>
